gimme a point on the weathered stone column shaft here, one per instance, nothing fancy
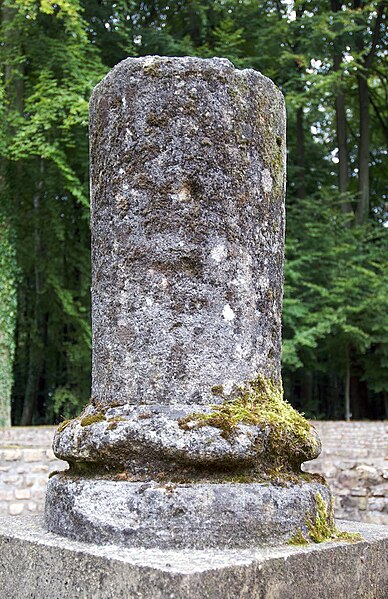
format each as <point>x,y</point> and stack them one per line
<point>187,196</point>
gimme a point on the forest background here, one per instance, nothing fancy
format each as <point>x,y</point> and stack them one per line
<point>330,60</point>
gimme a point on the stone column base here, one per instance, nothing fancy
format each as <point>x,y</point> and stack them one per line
<point>195,515</point>
<point>35,563</point>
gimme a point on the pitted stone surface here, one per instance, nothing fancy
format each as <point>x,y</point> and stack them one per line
<point>129,435</point>
<point>180,515</point>
<point>187,201</point>
<point>187,217</point>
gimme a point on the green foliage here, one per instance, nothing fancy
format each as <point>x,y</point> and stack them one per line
<point>335,294</point>
<point>8,274</point>
<point>65,403</point>
<point>50,70</point>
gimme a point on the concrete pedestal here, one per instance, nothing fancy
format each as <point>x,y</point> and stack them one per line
<point>41,565</point>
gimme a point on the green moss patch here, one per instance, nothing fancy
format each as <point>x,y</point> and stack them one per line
<point>62,425</point>
<point>322,528</point>
<point>92,419</point>
<point>260,402</point>
<point>298,539</point>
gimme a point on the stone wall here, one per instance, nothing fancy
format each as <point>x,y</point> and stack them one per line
<point>26,460</point>
<point>354,461</point>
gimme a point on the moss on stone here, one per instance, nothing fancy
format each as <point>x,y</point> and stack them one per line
<point>62,425</point>
<point>313,477</point>
<point>92,419</point>
<point>218,390</point>
<point>152,69</point>
<point>322,527</point>
<point>298,539</point>
<point>260,403</point>
<point>351,537</point>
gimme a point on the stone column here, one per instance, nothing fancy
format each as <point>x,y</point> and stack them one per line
<point>187,215</point>
<point>187,185</point>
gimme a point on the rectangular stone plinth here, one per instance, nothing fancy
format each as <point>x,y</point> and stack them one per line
<point>37,564</point>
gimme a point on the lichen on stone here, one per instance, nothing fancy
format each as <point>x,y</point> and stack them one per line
<point>152,68</point>
<point>113,422</point>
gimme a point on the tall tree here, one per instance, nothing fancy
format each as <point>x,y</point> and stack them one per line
<point>366,45</point>
<point>340,107</point>
<point>45,152</point>
<point>8,272</point>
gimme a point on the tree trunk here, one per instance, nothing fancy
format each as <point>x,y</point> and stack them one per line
<point>363,150</point>
<point>38,326</point>
<point>361,407</point>
<point>300,158</point>
<point>343,176</point>
<point>5,395</point>
<point>340,115</point>
<point>347,384</point>
<point>35,368</point>
<point>13,100</point>
<point>306,392</point>
<point>363,206</point>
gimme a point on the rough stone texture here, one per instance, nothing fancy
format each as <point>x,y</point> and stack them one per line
<point>147,439</point>
<point>187,216</point>
<point>37,564</point>
<point>179,515</point>
<point>353,461</point>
